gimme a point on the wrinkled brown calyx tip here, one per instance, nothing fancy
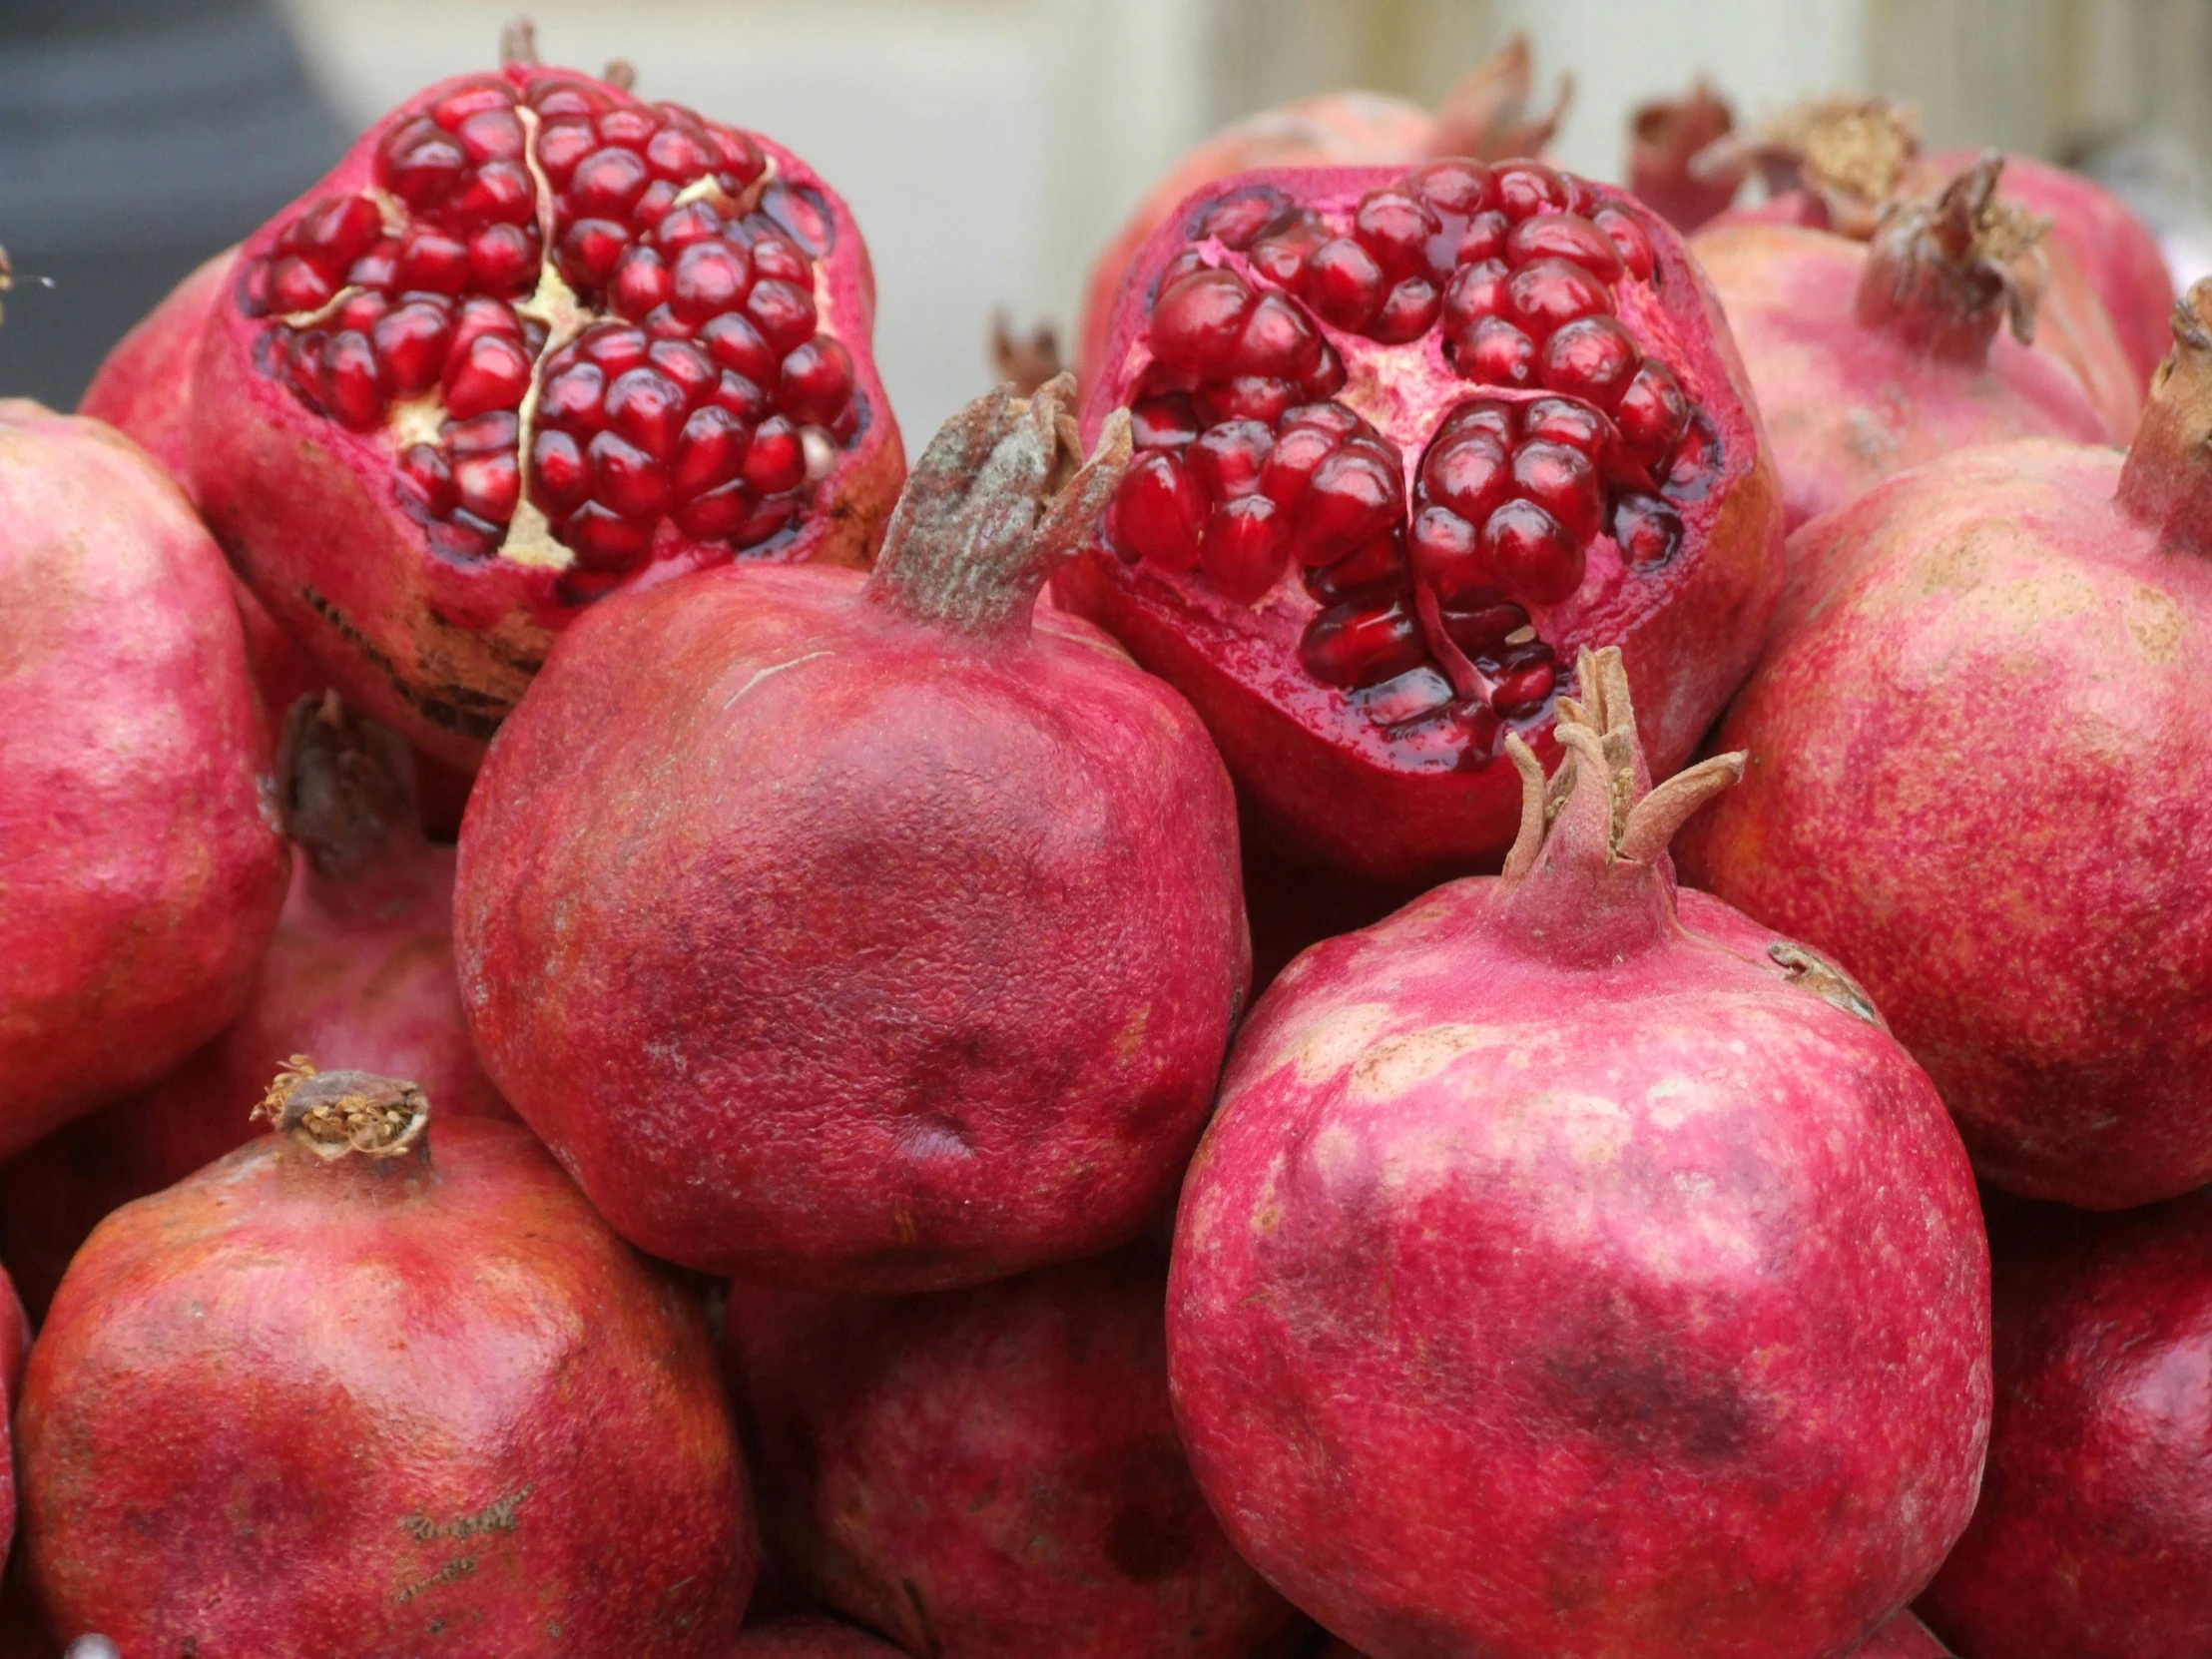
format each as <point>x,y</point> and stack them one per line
<point>518,44</point>
<point>1487,114</point>
<point>2166,481</point>
<point>1599,805</point>
<point>1848,153</point>
<point>336,1114</point>
<point>998,501</point>
<point>1027,362</point>
<point>1944,272</point>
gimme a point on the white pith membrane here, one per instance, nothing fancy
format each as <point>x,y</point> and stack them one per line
<point>1461,644</point>
<point>695,459</point>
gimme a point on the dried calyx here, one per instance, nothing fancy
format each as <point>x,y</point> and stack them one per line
<point>1945,274</point>
<point>1848,153</point>
<point>1024,361</point>
<point>338,1113</point>
<point>1489,111</point>
<point>998,501</point>
<point>2167,479</point>
<point>346,785</point>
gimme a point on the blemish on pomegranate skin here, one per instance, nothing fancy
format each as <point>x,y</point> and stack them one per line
<point>1391,1068</point>
<point>770,673</point>
<point>1335,1040</point>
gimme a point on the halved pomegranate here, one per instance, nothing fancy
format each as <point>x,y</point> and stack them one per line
<point>1406,442</point>
<point>533,341</point>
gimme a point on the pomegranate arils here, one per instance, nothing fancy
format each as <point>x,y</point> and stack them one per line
<point>1359,645</point>
<point>1159,512</point>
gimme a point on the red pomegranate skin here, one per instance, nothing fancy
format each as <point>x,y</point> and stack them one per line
<point>832,934</point>
<point>1849,397</point>
<point>144,385</point>
<point>2093,1537</point>
<point>1560,1276</point>
<point>436,1388</point>
<point>140,870</point>
<point>1391,770</point>
<point>15,1346</point>
<point>433,616</point>
<point>805,1636</point>
<point>1902,1637</point>
<point>994,1471</point>
<point>359,974</point>
<point>2113,249</point>
<point>1977,659</point>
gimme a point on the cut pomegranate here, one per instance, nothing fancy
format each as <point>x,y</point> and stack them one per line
<point>1407,442</point>
<point>533,341</point>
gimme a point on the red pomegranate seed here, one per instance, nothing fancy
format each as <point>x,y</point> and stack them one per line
<point>626,479</point>
<point>1562,420</point>
<point>1354,497</point>
<point>629,126</point>
<point>1532,553</point>
<point>1646,528</point>
<point>1470,473</point>
<point>1162,422</point>
<point>604,540</point>
<point>1158,513</point>
<point>739,154</point>
<point>1526,188</point>
<point>378,268</point>
<point>708,452</point>
<point>1372,574</point>
<point>561,145</point>
<point>1291,463</point>
<point>502,192</point>
<point>304,362</point>
<point>1198,321</point>
<point>354,390</point>
<point>590,251</point>
<point>492,373</point>
<point>1629,240</point>
<point>335,232</point>
<point>1498,354</point>
<point>1396,228</point>
<point>1225,462</point>
<point>1542,296</point>
<point>776,461</point>
<point>1333,418</point>
<point>410,343</point>
<point>558,469</point>
<point>691,223</point>
<point>422,163</point>
<point>1522,691</point>
<point>503,259</point>
<point>676,154</point>
<point>1351,646</point>
<point>1237,220</point>
<point>361,312</point>
<point>607,183</point>
<point>1484,239</point>
<point>433,262</point>
<point>295,285</point>
<point>640,284</point>
<point>1476,292</point>
<point>784,313</point>
<point>646,408</point>
<point>1563,482</point>
<point>424,475</point>
<point>1480,625</point>
<point>1244,550</point>
<point>1281,256</point>
<point>480,316</point>
<point>1408,312</point>
<point>1486,414</point>
<point>817,382</point>
<point>1652,413</point>
<point>1443,549</point>
<point>709,278</point>
<point>1461,189</point>
<point>488,486</point>
<point>574,396</point>
<point>483,434</point>
<point>1344,283</point>
<point>1261,398</point>
<point>721,514</point>
<point>740,397</point>
<point>1592,357</point>
<point>1565,237</point>
<point>775,258</point>
<point>561,95</point>
<point>491,135</point>
<point>472,98</point>
<point>738,346</point>
<point>688,366</point>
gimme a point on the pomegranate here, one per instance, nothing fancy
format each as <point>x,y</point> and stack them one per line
<point>1567,1266</point>
<point>532,341</point>
<point>1486,115</point>
<point>858,932</point>
<point>144,387</point>
<point>1869,358</point>
<point>807,1637</point>
<point>1406,442</point>
<point>994,1471</point>
<point>1665,139</point>
<point>465,1408</point>
<point>2093,1537</point>
<point>1902,1637</point>
<point>1974,779</point>
<point>361,972</point>
<point>139,871</point>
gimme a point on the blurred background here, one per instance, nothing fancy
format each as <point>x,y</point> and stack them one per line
<point>988,147</point>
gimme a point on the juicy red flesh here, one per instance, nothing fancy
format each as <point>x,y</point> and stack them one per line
<point>682,379</point>
<point>1424,559</point>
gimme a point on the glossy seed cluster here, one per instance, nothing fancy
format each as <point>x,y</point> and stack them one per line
<point>661,364</point>
<point>1253,463</point>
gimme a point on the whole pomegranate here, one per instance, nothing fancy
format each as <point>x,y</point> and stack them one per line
<point>1976,780</point>
<point>449,1399</point>
<point>532,341</point>
<point>1406,441</point>
<point>1868,359</point>
<point>1567,1266</point>
<point>1486,115</point>
<point>140,870</point>
<point>864,932</point>
<point>994,1471</point>
<point>361,973</point>
<point>2093,1537</point>
<point>804,1636</point>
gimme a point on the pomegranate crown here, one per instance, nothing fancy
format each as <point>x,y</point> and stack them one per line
<point>1944,273</point>
<point>997,502</point>
<point>337,1113</point>
<point>1847,152</point>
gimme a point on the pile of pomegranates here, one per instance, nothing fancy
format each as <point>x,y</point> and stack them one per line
<point>626,1029</point>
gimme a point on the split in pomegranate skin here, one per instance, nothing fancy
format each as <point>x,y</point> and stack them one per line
<point>1404,443</point>
<point>804,1636</point>
<point>1868,359</point>
<point>2093,1537</point>
<point>864,932</point>
<point>993,1473</point>
<point>532,341</point>
<point>411,1403</point>
<point>1571,1263</point>
<point>140,870</point>
<point>359,974</point>
<point>1978,779</point>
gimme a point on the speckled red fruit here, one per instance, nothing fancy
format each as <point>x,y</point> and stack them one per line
<point>864,931</point>
<point>532,341</point>
<point>360,975</point>
<point>1406,443</point>
<point>141,870</point>
<point>1868,359</point>
<point>1567,1268</point>
<point>339,1394</point>
<point>2093,1538</point>
<point>994,1471</point>
<point>805,1636</point>
<point>144,387</point>
<point>1978,779</point>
